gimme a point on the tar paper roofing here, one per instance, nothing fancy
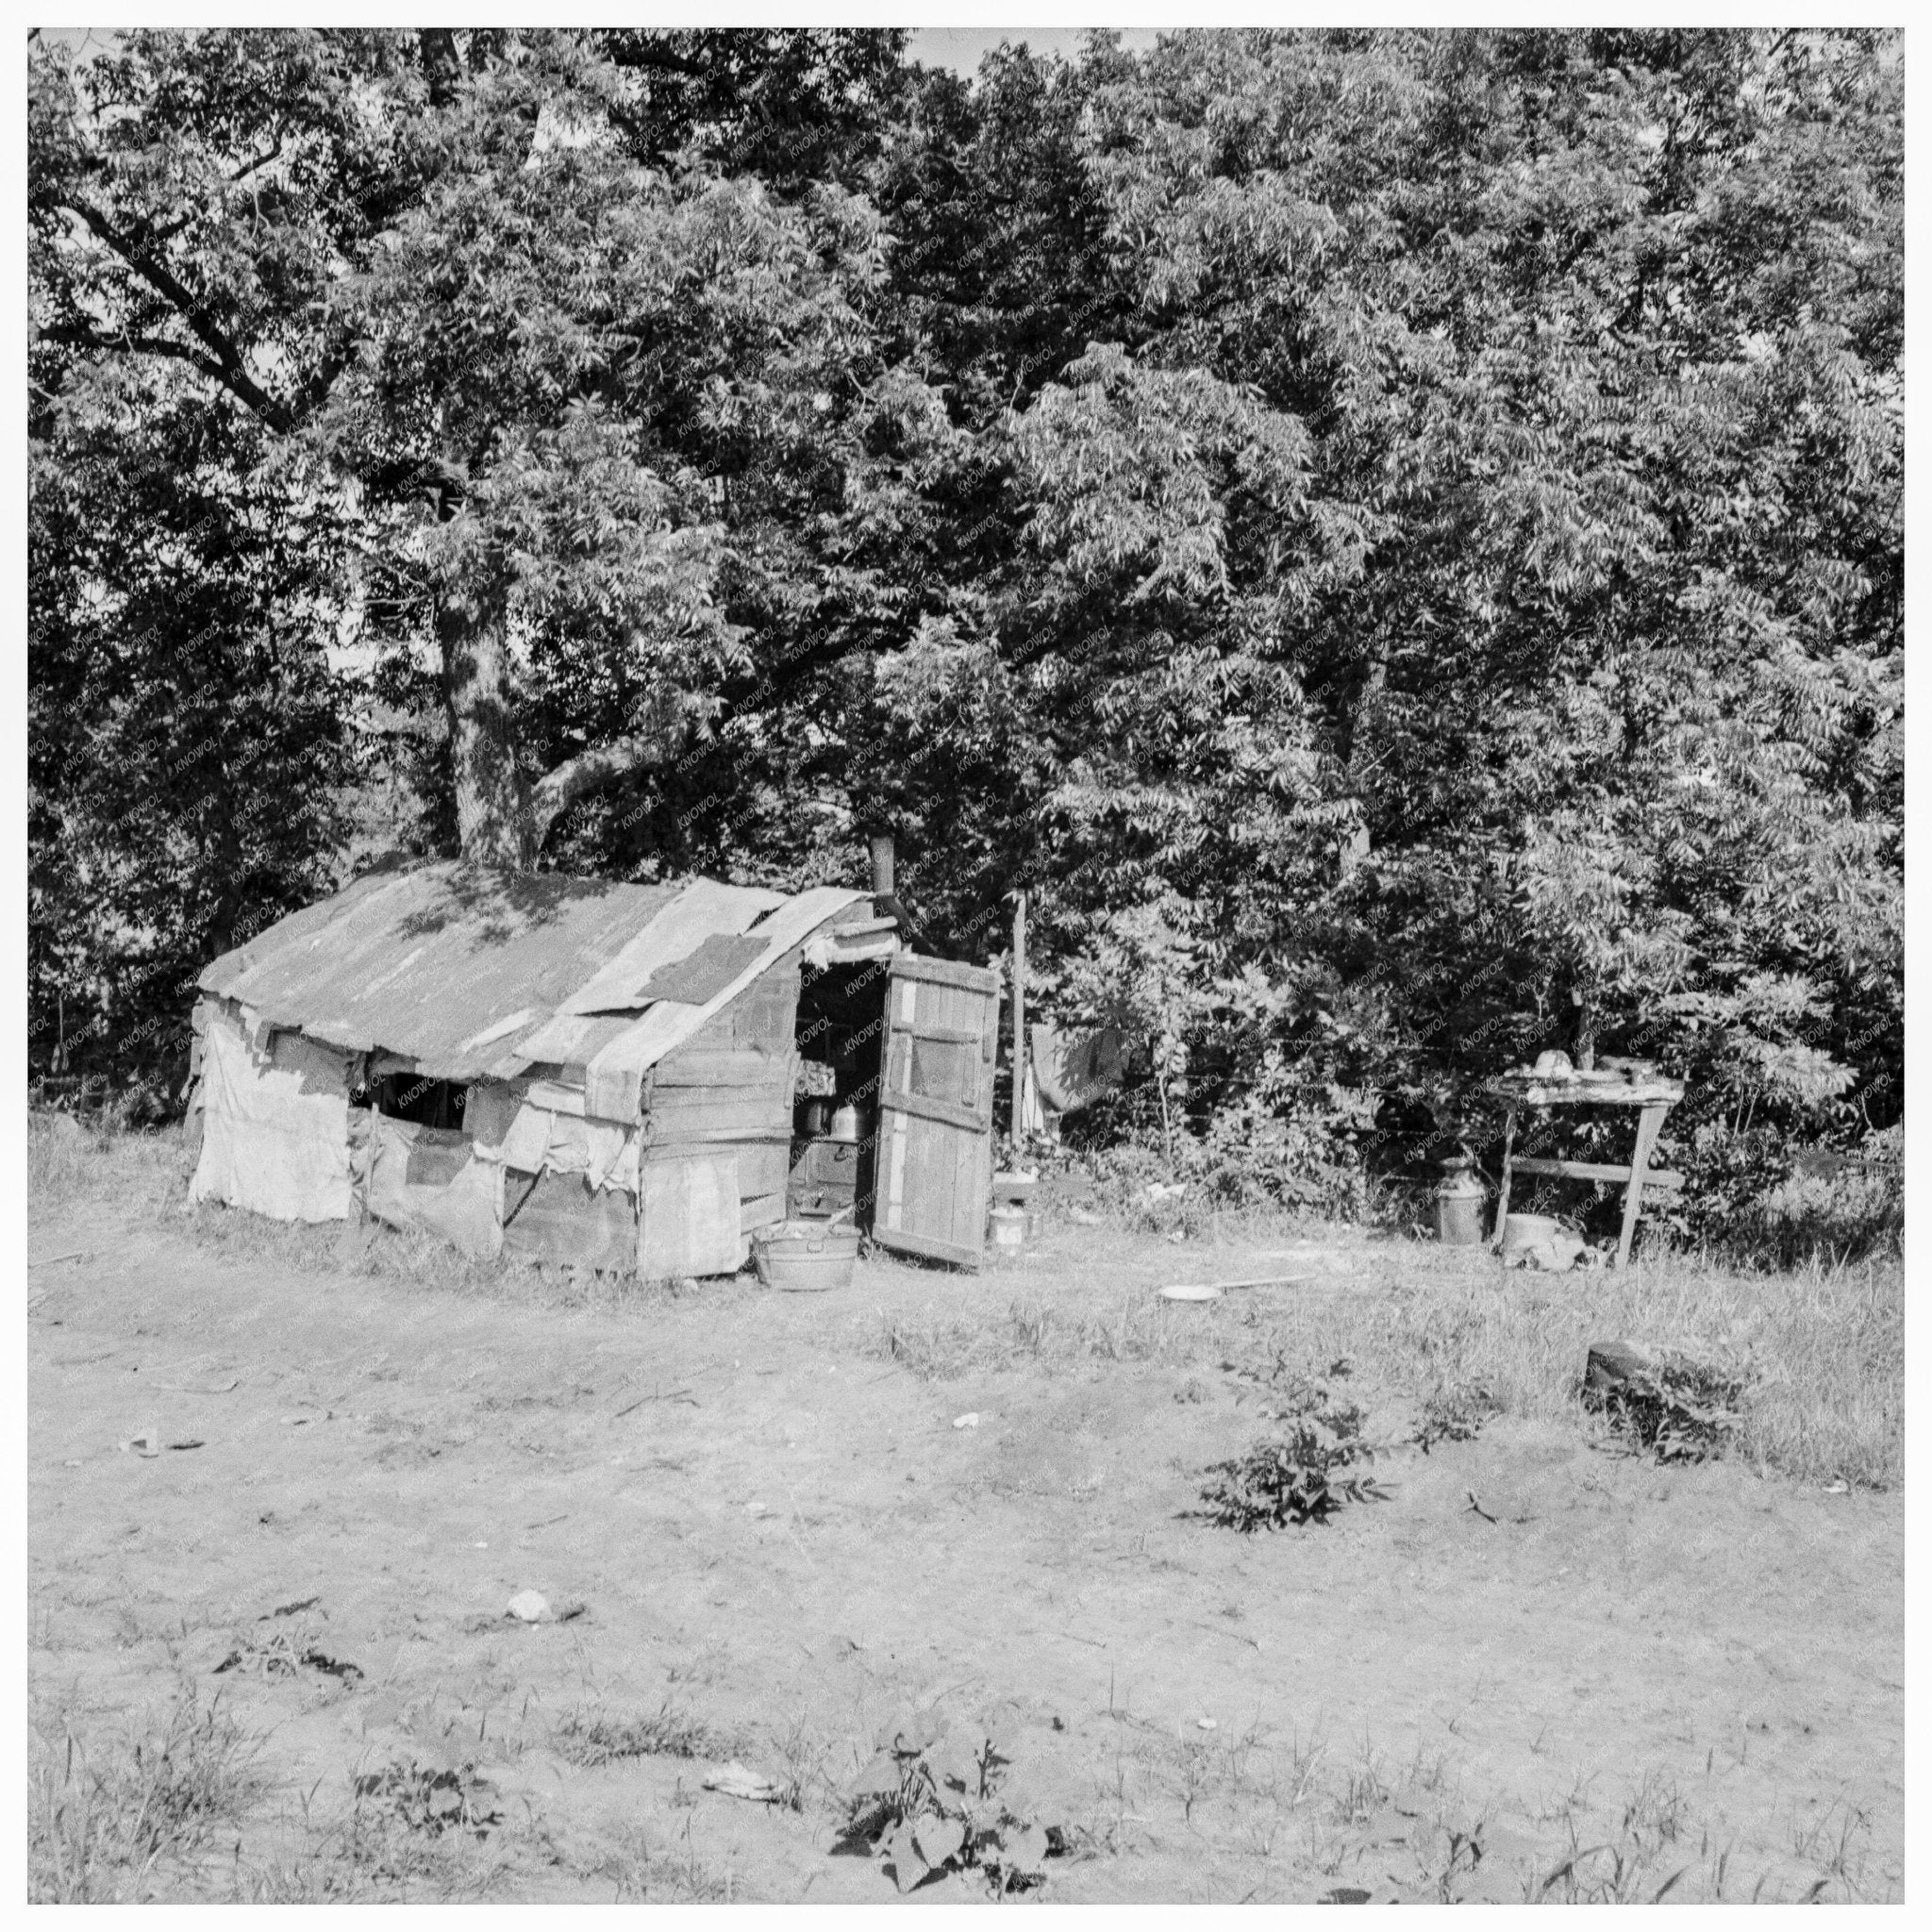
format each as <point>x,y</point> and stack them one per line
<point>471,972</point>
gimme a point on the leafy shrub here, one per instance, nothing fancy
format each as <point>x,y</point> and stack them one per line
<point>1283,1145</point>
<point>1303,1476</point>
<point>1678,1410</point>
<point>928,1804</point>
<point>1850,1204</point>
<point>1756,1193</point>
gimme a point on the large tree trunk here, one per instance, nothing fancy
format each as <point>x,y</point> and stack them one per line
<point>493,824</point>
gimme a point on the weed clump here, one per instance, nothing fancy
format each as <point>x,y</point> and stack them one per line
<point>1454,1415</point>
<point>591,1739</point>
<point>101,1827</point>
<point>428,1799</point>
<point>928,1804</point>
<point>1303,1475</point>
<point>1677,1409</point>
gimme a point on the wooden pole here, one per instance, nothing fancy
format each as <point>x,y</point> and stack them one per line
<point>1503,1191</point>
<point>1019,1019</point>
<point>1648,1122</point>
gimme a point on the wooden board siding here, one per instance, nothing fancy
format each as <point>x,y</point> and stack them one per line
<point>722,1066</point>
<point>563,1219</point>
<point>702,1113</point>
<point>934,1157</point>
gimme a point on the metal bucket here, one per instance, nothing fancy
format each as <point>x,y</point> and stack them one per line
<point>805,1254</point>
<point>1528,1231</point>
<point>1008,1224</point>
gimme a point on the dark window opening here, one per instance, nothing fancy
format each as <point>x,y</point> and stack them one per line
<point>415,1097</point>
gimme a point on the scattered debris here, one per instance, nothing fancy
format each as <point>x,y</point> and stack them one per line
<point>734,1781</point>
<point>1555,1253</point>
<point>1679,1409</point>
<point>1344,1896</point>
<point>52,1261</point>
<point>1207,1292</point>
<point>1082,1216</point>
<point>337,1667</point>
<point>529,1607</point>
<point>297,1422</point>
<point>305,1603</point>
<point>283,1654</point>
<point>966,1421</point>
<point>146,1442</point>
<point>1207,1724</point>
<point>928,1805</point>
<point>683,1396</point>
<point>1477,1506</point>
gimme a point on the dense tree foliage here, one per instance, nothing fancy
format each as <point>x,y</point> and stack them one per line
<point>1394,539</point>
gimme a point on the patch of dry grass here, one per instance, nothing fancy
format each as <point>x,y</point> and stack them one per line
<point>1821,1348</point>
<point>69,1165</point>
<point>593,1736</point>
<point>111,1817</point>
<point>145,1174</point>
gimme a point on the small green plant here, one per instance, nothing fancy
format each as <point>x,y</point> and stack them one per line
<point>1454,1415</point>
<point>429,1799</point>
<point>929,1804</point>
<point>1678,1410</point>
<point>1304,1475</point>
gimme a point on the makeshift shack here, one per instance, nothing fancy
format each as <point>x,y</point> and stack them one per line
<point>576,1071</point>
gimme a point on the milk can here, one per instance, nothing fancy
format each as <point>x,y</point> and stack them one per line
<point>1459,1199</point>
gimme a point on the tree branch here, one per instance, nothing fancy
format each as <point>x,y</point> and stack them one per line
<point>554,793</point>
<point>74,336</point>
<point>229,369</point>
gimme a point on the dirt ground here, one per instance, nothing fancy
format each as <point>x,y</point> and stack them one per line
<point>1596,1674</point>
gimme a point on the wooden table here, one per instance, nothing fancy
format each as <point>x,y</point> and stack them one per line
<point>1651,1097</point>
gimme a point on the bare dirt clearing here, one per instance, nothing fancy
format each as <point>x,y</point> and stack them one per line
<point>778,1538</point>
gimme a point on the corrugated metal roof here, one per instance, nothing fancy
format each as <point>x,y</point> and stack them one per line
<point>459,967</point>
<point>613,1078</point>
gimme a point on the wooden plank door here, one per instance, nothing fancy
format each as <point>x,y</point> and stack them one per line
<point>933,1160</point>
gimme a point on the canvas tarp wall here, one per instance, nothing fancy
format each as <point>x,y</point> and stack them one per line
<point>690,1218</point>
<point>430,1178</point>
<point>540,1124</point>
<point>275,1133</point>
